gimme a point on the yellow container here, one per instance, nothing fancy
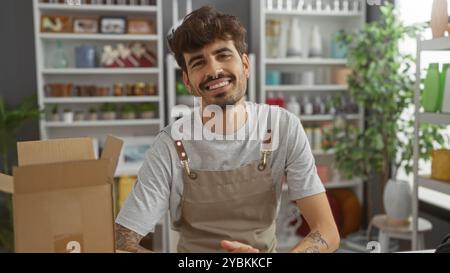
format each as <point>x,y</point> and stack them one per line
<point>440,165</point>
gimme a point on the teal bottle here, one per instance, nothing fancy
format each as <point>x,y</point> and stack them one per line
<point>443,76</point>
<point>430,95</point>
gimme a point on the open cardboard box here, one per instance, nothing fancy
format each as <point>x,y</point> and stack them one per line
<point>63,196</point>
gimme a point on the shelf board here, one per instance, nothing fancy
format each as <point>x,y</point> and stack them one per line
<point>102,99</point>
<point>326,117</point>
<point>110,71</point>
<point>440,186</point>
<point>437,44</point>
<point>134,122</point>
<point>98,8</point>
<point>314,13</point>
<point>315,88</point>
<point>435,118</point>
<point>98,36</point>
<point>305,61</point>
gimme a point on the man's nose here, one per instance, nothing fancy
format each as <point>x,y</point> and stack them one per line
<point>214,69</point>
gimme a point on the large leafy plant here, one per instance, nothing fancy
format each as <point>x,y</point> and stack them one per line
<point>10,121</point>
<point>382,82</point>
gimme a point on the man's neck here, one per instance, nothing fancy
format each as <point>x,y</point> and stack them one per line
<point>232,118</point>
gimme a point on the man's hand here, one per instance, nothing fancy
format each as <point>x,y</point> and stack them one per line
<point>237,247</point>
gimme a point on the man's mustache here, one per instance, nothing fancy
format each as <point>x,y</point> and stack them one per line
<point>211,78</point>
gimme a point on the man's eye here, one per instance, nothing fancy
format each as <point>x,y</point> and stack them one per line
<point>224,56</point>
<point>196,64</point>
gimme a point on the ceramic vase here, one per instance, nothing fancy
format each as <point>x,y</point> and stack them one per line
<point>439,18</point>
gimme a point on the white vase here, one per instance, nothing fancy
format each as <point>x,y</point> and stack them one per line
<point>315,48</point>
<point>439,18</point>
<point>397,200</point>
<point>68,117</point>
<point>446,95</point>
<point>295,39</point>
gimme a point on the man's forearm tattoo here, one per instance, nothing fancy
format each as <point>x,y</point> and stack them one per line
<point>316,237</point>
<point>312,249</point>
<point>127,240</point>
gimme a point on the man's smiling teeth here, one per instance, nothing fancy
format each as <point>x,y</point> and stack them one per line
<point>219,85</point>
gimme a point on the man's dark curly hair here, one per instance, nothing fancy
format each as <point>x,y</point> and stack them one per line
<point>202,27</point>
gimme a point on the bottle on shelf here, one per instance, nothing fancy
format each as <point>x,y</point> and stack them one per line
<point>430,95</point>
<point>60,58</point>
<point>319,106</point>
<point>307,106</point>
<point>442,79</point>
<point>317,138</point>
<point>329,106</point>
<point>293,106</point>
<point>280,100</point>
<point>271,100</point>
<point>315,47</point>
<point>295,39</point>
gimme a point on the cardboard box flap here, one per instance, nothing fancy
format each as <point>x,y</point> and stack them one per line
<point>55,150</point>
<point>6,183</point>
<point>58,176</point>
<point>111,151</point>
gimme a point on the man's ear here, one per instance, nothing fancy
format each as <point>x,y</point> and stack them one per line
<point>186,81</point>
<point>246,64</point>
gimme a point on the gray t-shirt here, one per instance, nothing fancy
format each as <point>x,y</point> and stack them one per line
<point>159,185</point>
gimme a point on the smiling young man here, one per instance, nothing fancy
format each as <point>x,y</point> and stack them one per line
<point>223,189</point>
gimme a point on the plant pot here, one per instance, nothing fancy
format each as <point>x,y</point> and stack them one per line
<point>55,117</point>
<point>397,201</point>
<point>79,116</point>
<point>439,165</point>
<point>128,115</point>
<point>109,115</point>
<point>439,18</point>
<point>68,117</point>
<point>92,116</point>
<point>148,115</point>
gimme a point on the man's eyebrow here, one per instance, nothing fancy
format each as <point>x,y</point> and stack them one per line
<point>215,52</point>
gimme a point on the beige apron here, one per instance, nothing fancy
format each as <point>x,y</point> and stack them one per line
<point>237,204</point>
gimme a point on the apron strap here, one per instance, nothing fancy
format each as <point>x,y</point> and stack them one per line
<point>266,149</point>
<point>182,155</point>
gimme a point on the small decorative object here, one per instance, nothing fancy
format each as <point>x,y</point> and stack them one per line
<point>309,7</point>
<point>151,89</point>
<point>147,111</point>
<point>283,40</point>
<point>293,106</point>
<point>92,114</point>
<point>340,75</point>
<point>145,56</point>
<point>273,77</point>
<point>446,92</point>
<point>118,89</point>
<point>58,89</point>
<point>439,18</point>
<point>307,106</point>
<point>113,25</point>
<point>315,49</point>
<point>319,6</point>
<point>440,163</point>
<point>300,5</point>
<point>110,57</point>
<point>308,78</point>
<point>85,25</point>
<point>68,116</point>
<point>108,111</point>
<point>139,89</point>
<point>327,7</point>
<point>430,95</point>
<point>288,5</point>
<point>345,6</point>
<point>338,49</point>
<point>125,56</point>
<point>78,115</point>
<point>273,30</point>
<point>50,23</point>
<point>397,201</point>
<point>85,56</point>
<point>60,59</point>
<point>336,6</point>
<point>128,111</point>
<point>141,26</point>
<point>295,40</point>
<point>54,114</point>
<point>102,91</point>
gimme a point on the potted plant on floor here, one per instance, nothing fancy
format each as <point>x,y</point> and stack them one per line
<point>383,83</point>
<point>10,121</point>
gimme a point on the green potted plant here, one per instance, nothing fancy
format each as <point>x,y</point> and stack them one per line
<point>54,114</point>
<point>382,82</point>
<point>92,114</point>
<point>68,115</point>
<point>183,95</point>
<point>10,122</point>
<point>147,110</point>
<point>128,111</point>
<point>108,111</point>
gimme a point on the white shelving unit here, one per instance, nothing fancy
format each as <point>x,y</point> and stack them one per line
<point>329,22</point>
<point>46,74</point>
<point>440,44</point>
<point>98,129</point>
